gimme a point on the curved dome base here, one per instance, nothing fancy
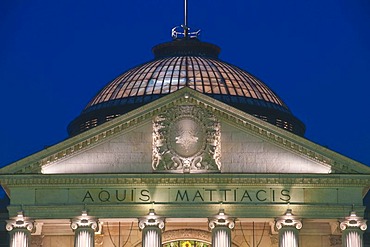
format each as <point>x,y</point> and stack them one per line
<point>192,64</point>
<point>104,112</point>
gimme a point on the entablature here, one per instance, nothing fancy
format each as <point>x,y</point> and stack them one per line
<point>73,180</point>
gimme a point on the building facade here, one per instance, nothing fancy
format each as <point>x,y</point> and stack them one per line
<point>186,150</point>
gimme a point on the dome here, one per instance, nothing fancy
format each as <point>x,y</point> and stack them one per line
<point>186,63</point>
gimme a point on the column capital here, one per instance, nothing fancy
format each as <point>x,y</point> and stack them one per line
<point>84,221</point>
<point>288,219</point>
<point>151,220</point>
<point>221,219</point>
<point>20,222</point>
<point>353,221</point>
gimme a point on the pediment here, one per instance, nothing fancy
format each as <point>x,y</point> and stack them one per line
<point>247,145</point>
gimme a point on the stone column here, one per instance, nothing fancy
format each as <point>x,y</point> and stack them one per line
<point>288,226</point>
<point>221,226</point>
<point>353,228</point>
<point>20,228</point>
<point>84,227</point>
<point>151,226</point>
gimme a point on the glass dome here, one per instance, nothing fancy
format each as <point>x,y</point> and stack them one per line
<point>186,63</point>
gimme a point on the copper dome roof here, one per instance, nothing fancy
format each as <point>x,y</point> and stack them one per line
<point>186,63</point>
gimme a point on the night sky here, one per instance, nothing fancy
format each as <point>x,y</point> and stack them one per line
<point>56,55</point>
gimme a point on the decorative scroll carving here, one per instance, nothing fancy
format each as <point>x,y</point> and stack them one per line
<point>151,220</point>
<point>288,219</point>
<point>221,219</point>
<point>84,221</point>
<point>186,138</point>
<point>20,222</point>
<point>353,221</point>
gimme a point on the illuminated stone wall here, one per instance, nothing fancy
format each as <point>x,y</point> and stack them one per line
<point>317,234</point>
<point>130,152</point>
<point>241,152</point>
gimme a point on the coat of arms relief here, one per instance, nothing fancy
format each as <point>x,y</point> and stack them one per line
<point>186,139</point>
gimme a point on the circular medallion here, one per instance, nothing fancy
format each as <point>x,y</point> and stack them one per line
<point>186,137</point>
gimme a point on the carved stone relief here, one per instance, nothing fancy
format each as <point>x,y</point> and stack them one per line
<point>36,240</point>
<point>99,240</point>
<point>186,139</point>
<point>274,240</point>
<point>335,240</point>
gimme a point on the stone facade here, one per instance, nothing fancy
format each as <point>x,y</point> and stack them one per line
<point>250,169</point>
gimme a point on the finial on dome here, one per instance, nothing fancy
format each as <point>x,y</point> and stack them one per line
<point>186,29</point>
<point>183,31</point>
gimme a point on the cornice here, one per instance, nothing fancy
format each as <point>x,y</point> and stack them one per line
<point>280,137</point>
<point>196,210</point>
<point>116,180</point>
<point>235,117</point>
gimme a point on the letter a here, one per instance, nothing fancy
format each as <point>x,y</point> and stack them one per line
<point>88,196</point>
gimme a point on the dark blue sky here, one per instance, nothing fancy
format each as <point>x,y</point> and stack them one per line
<point>55,55</point>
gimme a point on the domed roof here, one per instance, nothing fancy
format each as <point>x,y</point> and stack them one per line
<point>186,63</point>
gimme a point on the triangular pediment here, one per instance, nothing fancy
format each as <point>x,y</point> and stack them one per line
<point>125,145</point>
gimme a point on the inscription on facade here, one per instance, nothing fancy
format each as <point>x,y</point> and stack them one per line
<point>204,195</point>
<point>187,193</point>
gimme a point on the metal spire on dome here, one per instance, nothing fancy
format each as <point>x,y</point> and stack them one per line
<point>177,33</point>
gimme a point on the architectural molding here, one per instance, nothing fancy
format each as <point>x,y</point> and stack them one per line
<point>334,228</point>
<point>151,220</point>
<point>309,180</point>
<point>352,222</point>
<point>20,222</point>
<point>239,119</point>
<point>221,219</point>
<point>196,210</point>
<point>85,221</point>
<point>188,233</point>
<point>173,235</point>
<point>288,220</point>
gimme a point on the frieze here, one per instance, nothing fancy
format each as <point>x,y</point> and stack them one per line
<point>143,179</point>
